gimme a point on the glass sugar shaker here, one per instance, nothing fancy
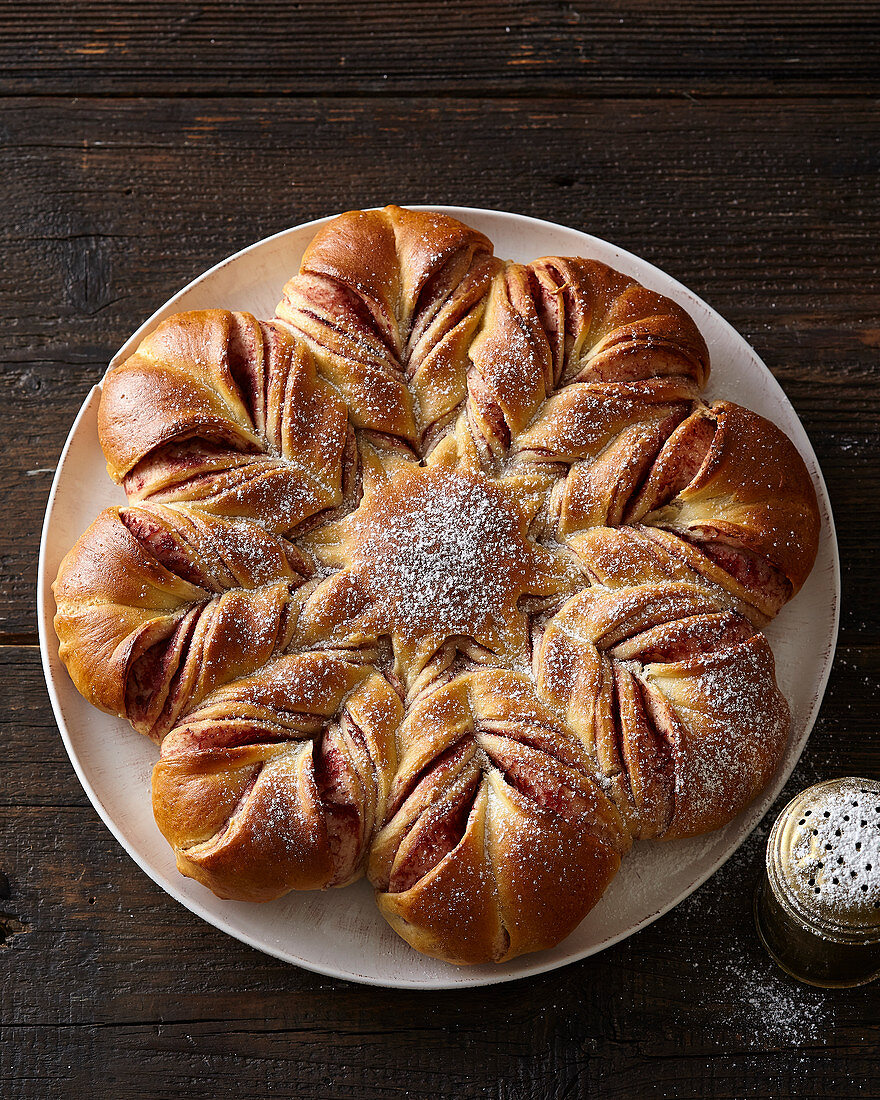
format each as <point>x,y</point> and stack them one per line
<point>817,906</point>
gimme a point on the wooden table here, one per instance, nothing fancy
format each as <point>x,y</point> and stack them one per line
<point>733,144</point>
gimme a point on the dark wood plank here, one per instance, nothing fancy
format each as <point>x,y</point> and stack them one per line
<point>756,188</point>
<point>470,47</point>
<point>114,990</point>
<point>768,210</point>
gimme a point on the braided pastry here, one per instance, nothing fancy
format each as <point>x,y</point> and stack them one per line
<point>158,604</point>
<point>498,839</point>
<point>278,782</point>
<point>227,413</point>
<point>446,574</point>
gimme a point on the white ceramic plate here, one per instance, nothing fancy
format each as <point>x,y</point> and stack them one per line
<point>340,933</point>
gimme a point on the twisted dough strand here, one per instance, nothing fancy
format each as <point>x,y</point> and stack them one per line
<point>562,320</point>
<point>158,604</point>
<point>227,413</point>
<point>388,301</point>
<point>279,781</point>
<point>498,840</point>
<point>556,406</point>
<point>674,698</point>
<point>726,495</point>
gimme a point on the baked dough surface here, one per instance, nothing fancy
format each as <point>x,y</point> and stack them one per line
<point>446,574</point>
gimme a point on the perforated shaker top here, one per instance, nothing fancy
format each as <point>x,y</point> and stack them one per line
<point>828,855</point>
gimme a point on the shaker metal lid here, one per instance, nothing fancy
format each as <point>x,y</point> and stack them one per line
<point>823,858</point>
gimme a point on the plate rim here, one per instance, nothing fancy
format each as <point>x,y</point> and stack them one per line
<point>463,979</point>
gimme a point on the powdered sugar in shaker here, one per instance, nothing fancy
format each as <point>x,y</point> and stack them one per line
<point>817,907</point>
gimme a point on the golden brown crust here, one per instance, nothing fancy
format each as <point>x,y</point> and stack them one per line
<point>674,698</point>
<point>279,781</point>
<point>436,463</point>
<point>716,487</point>
<point>563,320</point>
<point>609,434</point>
<point>621,557</point>
<point>225,412</point>
<point>498,841</point>
<point>388,301</point>
<point>157,605</point>
<point>751,491</point>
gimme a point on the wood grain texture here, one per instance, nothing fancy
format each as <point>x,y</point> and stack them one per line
<point>467,47</point>
<point>113,990</point>
<point>734,145</point>
<point>768,210</point>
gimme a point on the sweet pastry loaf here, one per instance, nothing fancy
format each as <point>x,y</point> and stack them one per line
<point>446,574</point>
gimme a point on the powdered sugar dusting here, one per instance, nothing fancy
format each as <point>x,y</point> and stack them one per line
<point>768,1007</point>
<point>455,559</point>
<point>836,851</point>
<point>442,552</point>
<point>729,684</point>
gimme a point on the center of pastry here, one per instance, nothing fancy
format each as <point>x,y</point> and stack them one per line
<point>443,552</point>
